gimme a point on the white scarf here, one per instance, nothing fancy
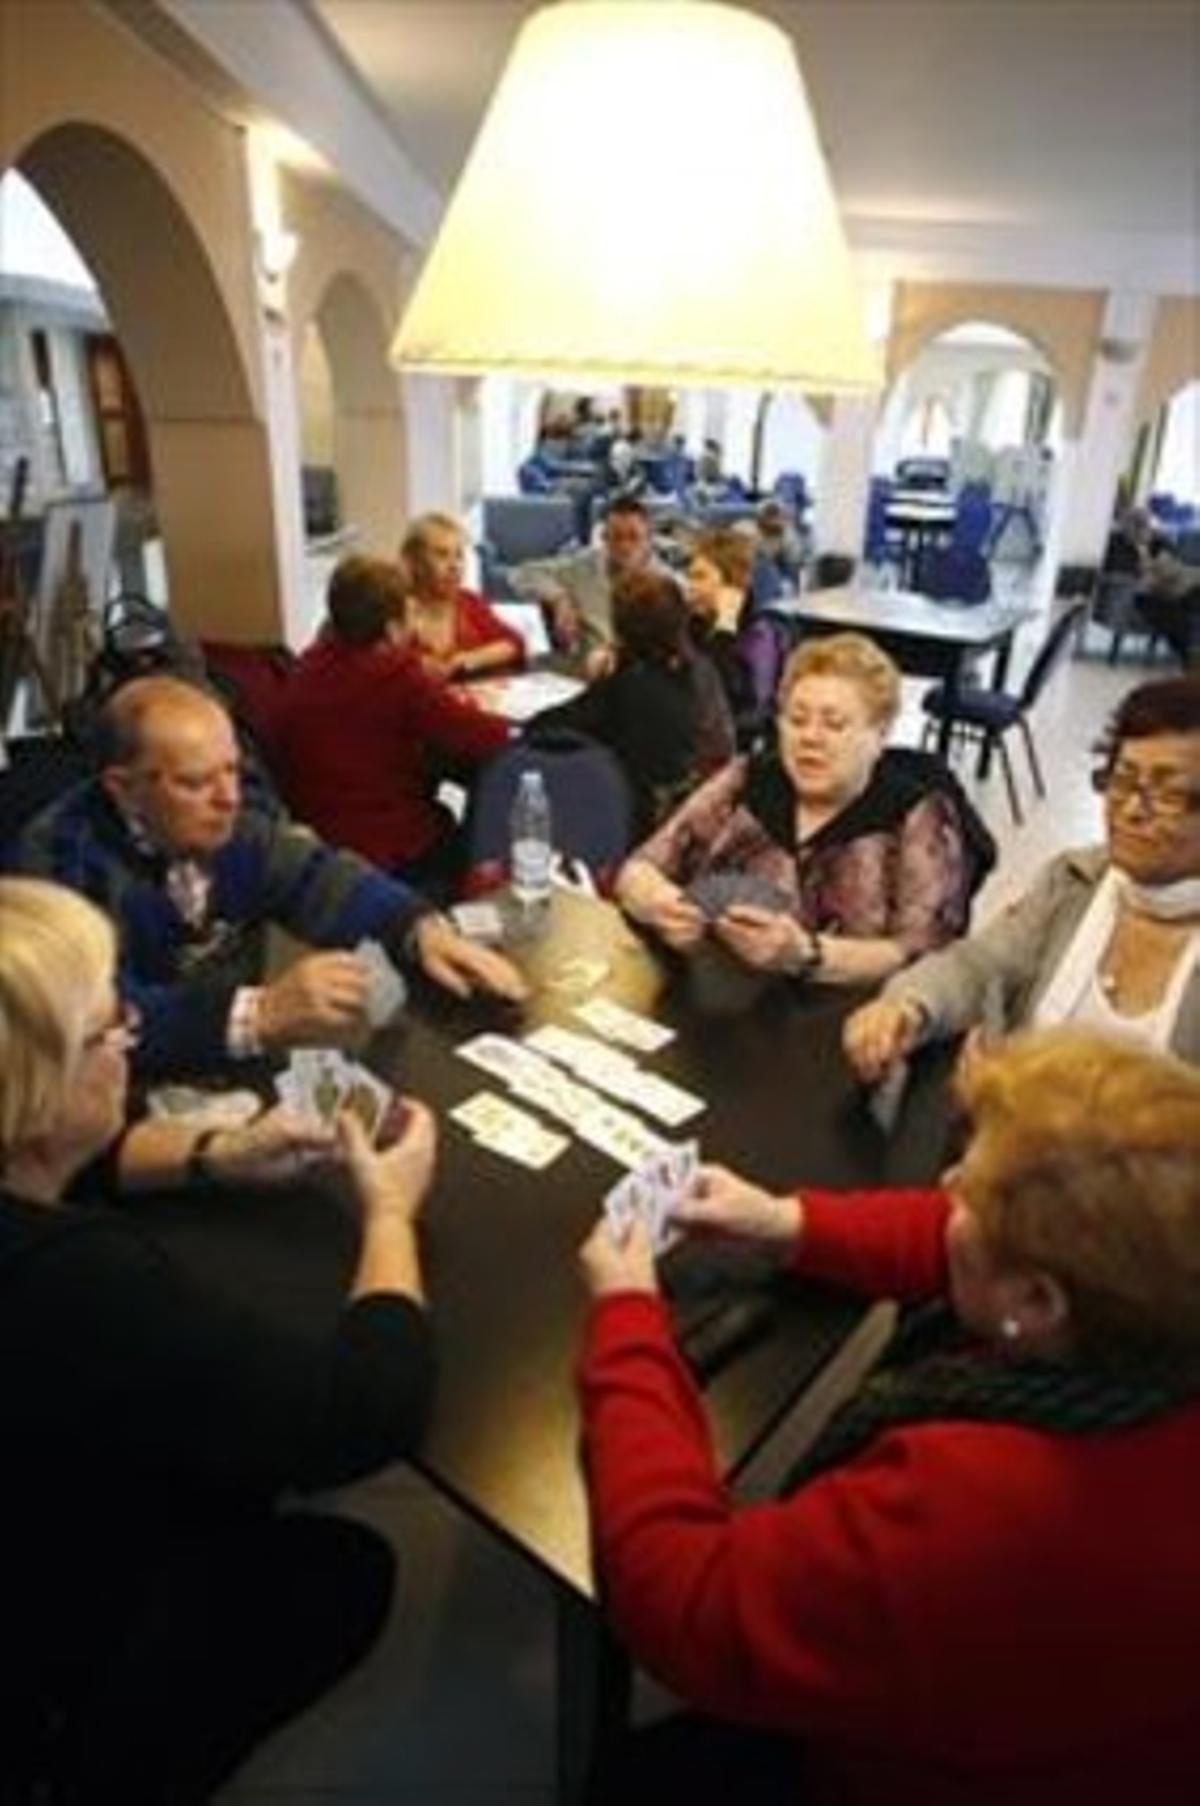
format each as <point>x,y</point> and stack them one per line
<point>1081,961</point>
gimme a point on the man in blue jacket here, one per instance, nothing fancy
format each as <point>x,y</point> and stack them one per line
<point>192,873</point>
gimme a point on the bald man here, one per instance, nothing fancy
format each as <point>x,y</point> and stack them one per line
<point>192,873</point>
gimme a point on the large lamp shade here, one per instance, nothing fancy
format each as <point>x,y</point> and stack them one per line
<point>646,201</point>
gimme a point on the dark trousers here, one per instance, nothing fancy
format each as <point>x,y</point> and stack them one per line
<point>700,1761</point>
<point>232,1636</point>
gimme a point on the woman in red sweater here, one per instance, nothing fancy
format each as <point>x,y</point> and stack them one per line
<point>983,1585</point>
<point>363,733</point>
<point>453,631</point>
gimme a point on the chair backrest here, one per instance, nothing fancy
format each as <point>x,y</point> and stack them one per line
<point>1050,652</point>
<point>590,806</point>
<point>518,527</point>
<point>952,574</point>
<point>972,518</point>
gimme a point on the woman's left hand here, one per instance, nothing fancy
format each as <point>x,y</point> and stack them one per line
<point>766,939</point>
<point>274,1147</point>
<point>612,1264</point>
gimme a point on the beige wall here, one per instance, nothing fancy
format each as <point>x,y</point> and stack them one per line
<point>1063,323</point>
<point>1173,359</point>
<point>150,184</point>
<point>348,279</point>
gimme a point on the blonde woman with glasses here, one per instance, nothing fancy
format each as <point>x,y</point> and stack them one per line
<point>160,1615</point>
<point>1107,937</point>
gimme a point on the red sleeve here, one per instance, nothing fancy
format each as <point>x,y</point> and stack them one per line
<point>452,724</point>
<point>480,625</point>
<point>885,1244</point>
<point>778,1614</point>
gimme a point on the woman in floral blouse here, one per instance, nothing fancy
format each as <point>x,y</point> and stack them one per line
<point>828,856</point>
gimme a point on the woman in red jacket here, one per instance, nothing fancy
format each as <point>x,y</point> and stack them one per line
<point>454,632</point>
<point>983,1584</point>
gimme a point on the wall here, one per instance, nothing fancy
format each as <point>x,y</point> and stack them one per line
<point>1173,358</point>
<point>150,184</point>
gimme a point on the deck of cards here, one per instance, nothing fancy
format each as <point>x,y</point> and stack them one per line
<point>320,1082</point>
<point>650,1193</point>
<point>715,892</point>
<point>386,991</point>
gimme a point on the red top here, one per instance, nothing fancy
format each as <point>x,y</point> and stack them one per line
<point>352,735</point>
<point>476,623</point>
<point>962,1613</point>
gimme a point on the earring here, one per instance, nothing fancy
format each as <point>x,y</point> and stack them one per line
<point>1010,1329</point>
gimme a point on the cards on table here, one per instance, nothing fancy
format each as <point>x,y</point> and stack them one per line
<point>651,1191</point>
<point>321,1082</point>
<point>386,991</point>
<point>479,921</point>
<point>616,1074</point>
<point>502,1128</point>
<point>614,1022</point>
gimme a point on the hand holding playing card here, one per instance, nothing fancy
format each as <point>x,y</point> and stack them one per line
<point>391,1180</point>
<point>274,1147</point>
<point>766,939</point>
<point>720,1202</point>
<point>320,1001</point>
<point>676,920</point>
<point>615,1260</point>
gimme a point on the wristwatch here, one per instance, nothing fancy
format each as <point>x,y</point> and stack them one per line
<point>198,1168</point>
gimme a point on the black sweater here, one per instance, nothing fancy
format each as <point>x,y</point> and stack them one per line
<point>134,1407</point>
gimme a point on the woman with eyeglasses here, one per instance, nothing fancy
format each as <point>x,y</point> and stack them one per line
<point>981,1583</point>
<point>158,1613</point>
<point>1108,937</point>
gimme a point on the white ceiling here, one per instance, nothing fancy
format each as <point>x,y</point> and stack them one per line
<point>1054,118</point>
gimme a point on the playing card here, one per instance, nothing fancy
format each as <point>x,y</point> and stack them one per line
<point>498,1055</point>
<point>480,922</point>
<point>887,1097</point>
<point>666,1102</point>
<point>322,1082</point>
<point>480,1112</point>
<point>577,975</point>
<point>615,1023</point>
<point>715,892</point>
<point>386,990</point>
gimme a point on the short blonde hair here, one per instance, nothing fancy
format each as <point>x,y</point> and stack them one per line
<point>859,661</point>
<point>417,537</point>
<point>56,952</point>
<point>1085,1164</point>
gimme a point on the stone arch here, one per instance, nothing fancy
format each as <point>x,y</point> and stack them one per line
<point>1062,324</point>
<point>1173,358</point>
<point>207,443</point>
<point>368,418</point>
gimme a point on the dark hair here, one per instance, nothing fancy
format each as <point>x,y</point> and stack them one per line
<point>626,504</point>
<point>649,617</point>
<point>1167,705</point>
<point>364,596</point>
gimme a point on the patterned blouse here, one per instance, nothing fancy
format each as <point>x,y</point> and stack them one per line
<point>900,862</point>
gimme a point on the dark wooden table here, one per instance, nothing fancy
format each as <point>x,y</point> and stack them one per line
<point>500,1249</point>
<point>926,638</point>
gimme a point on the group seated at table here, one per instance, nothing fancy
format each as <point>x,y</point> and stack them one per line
<point>1105,936</point>
<point>453,631</point>
<point>982,1580</point>
<point>161,1615</point>
<point>192,873</point>
<point>363,733</point>
<point>661,708</point>
<point>831,855</point>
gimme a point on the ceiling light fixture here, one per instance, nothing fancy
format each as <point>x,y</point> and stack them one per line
<point>646,201</point>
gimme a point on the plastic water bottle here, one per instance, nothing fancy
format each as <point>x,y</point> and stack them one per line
<point>532,844</point>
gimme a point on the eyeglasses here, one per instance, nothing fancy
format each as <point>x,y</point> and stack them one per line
<point>119,1036</point>
<point>1158,795</point>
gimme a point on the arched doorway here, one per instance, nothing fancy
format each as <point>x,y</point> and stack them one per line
<point>364,422</point>
<point>983,401</point>
<point>206,444</point>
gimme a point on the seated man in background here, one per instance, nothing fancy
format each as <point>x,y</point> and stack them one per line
<point>160,838</point>
<point>357,725</point>
<point>1107,936</point>
<point>578,587</point>
<point>453,631</point>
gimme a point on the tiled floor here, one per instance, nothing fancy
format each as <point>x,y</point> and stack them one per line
<point>455,1707</point>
